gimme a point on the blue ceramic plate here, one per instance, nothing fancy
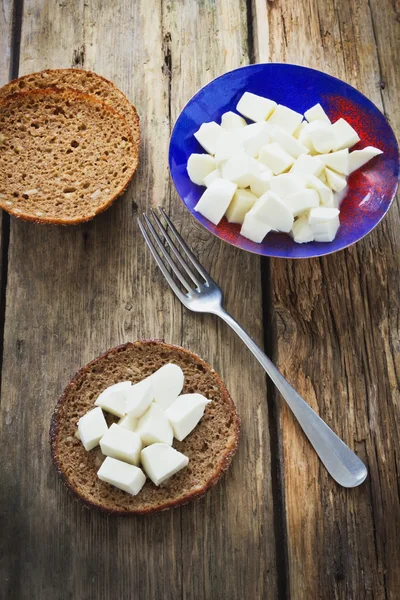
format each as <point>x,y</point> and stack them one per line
<point>371,189</point>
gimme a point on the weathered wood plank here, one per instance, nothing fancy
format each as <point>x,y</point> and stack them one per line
<point>337,333</point>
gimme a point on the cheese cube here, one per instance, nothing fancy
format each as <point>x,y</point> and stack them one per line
<point>207,136</point>
<point>255,107</point>
<point>326,231</point>
<point>208,179</point>
<point>301,201</point>
<point>199,166</point>
<point>228,145</point>
<point>253,229</point>
<point>261,185</point>
<point>317,113</point>
<point>321,215</point>
<point>288,142</point>
<point>216,199</point>
<point>324,192</point>
<point>286,184</point>
<point>91,428</point>
<point>304,139</point>
<point>154,426</point>
<point>286,118</point>
<point>160,462</point>
<point>167,384</point>
<point>272,210</point>
<point>242,202</point>
<point>139,398</point>
<point>113,398</point>
<point>301,231</point>
<point>335,181</point>
<point>126,477</point>
<point>275,158</point>
<point>321,136</point>
<point>299,129</point>
<point>358,158</point>
<point>185,413</point>
<point>118,442</point>
<point>345,135</point>
<point>128,422</point>
<point>231,121</point>
<point>254,137</point>
<point>338,161</point>
<point>307,165</point>
<point>241,170</point>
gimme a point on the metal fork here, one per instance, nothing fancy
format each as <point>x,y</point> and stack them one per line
<point>205,296</point>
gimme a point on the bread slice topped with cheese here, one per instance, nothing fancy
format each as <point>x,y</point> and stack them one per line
<point>200,458</point>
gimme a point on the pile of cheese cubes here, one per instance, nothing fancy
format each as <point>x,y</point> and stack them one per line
<point>152,412</point>
<point>280,173</point>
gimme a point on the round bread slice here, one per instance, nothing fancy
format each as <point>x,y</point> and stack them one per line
<point>64,156</point>
<point>210,447</point>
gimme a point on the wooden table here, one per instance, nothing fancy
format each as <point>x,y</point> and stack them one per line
<point>277,526</point>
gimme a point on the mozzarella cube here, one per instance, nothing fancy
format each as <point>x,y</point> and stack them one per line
<point>128,422</point>
<point>91,428</point>
<point>160,462</point>
<point>345,135</point>
<point>231,121</point>
<point>335,181</point>
<point>301,201</point>
<point>324,192</point>
<point>254,137</point>
<point>261,185</point>
<point>358,158</point>
<point>275,158</point>
<point>299,129</point>
<point>286,184</point>
<point>216,199</point>
<point>321,136</point>
<point>253,229</point>
<point>307,165</point>
<point>304,139</point>
<point>199,166</point>
<point>139,398</point>
<point>317,113</point>
<point>241,170</point>
<point>113,398</point>
<point>321,215</point>
<point>242,202</point>
<point>167,384</point>
<point>338,161</point>
<point>286,118</point>
<point>126,477</point>
<point>301,231</point>
<point>288,142</point>
<point>185,413</point>
<point>208,179</point>
<point>272,210</point>
<point>255,108</point>
<point>154,426</point>
<point>207,136</point>
<point>228,145</point>
<point>118,442</point>
<point>326,231</point>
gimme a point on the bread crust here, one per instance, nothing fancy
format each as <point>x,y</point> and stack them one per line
<point>191,495</point>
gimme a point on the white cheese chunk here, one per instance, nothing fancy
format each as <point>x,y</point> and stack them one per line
<point>228,145</point>
<point>321,135</point>
<point>261,185</point>
<point>253,229</point>
<point>326,231</point>
<point>167,384</point>
<point>321,215</point>
<point>207,136</point>
<point>241,170</point>
<point>231,121</point>
<point>275,158</point>
<point>255,108</point>
<point>316,113</point>
<point>358,158</point>
<point>286,184</point>
<point>199,166</point>
<point>307,165</point>
<point>301,201</point>
<point>160,462</point>
<point>185,413</point>
<point>128,422</point>
<point>299,129</point>
<point>324,192</point>
<point>338,161</point>
<point>126,477</point>
<point>345,135</point>
<point>254,137</point>
<point>286,118</point>
<point>304,139</point>
<point>91,428</point>
<point>242,202</point>
<point>335,181</point>
<point>154,426</point>
<point>216,199</point>
<point>272,210</point>
<point>208,179</point>
<point>288,142</point>
<point>301,231</point>
<point>118,442</point>
<point>113,398</point>
<point>139,398</point>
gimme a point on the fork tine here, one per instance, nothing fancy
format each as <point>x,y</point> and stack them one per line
<point>186,248</point>
<point>165,254</point>
<point>174,249</point>
<point>160,263</point>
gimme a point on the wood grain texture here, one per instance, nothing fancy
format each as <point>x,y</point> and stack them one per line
<point>73,292</point>
<point>337,336</point>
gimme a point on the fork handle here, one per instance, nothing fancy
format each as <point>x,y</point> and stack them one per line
<point>341,462</point>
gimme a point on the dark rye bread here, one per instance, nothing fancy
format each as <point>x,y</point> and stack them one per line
<point>64,156</point>
<point>210,447</point>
